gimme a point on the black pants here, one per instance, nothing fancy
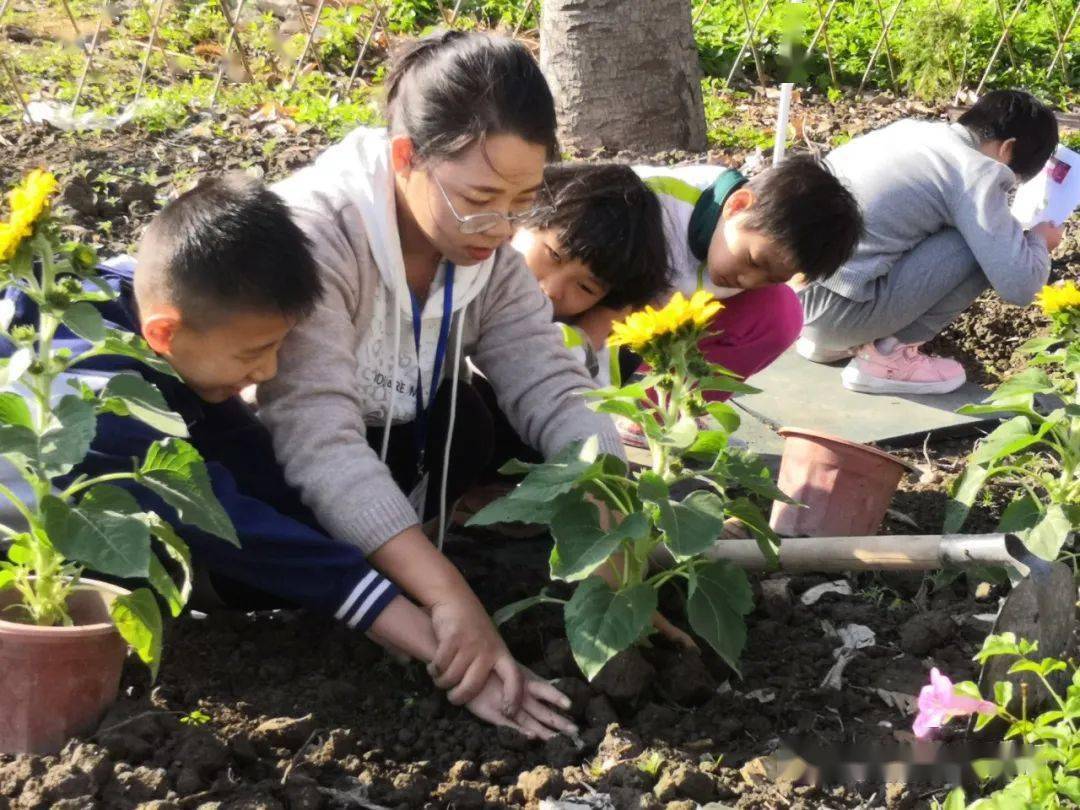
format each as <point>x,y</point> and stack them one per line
<point>483,441</point>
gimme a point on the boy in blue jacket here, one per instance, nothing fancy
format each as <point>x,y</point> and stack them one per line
<point>223,274</point>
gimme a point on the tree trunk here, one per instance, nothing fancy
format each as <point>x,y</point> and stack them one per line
<point>624,73</point>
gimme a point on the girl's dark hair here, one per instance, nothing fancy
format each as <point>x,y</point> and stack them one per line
<point>452,89</point>
<point>607,218</point>
<point>1003,114</point>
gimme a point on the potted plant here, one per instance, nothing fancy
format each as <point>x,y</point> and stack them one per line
<point>617,594</point>
<point>62,635</point>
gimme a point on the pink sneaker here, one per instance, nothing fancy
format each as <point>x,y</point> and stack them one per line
<point>904,370</point>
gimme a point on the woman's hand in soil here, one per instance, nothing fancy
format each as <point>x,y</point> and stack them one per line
<point>470,650</point>
<point>536,718</point>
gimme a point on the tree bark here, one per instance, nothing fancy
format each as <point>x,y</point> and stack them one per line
<point>624,73</point>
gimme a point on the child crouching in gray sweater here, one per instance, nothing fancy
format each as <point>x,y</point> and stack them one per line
<point>935,199</point>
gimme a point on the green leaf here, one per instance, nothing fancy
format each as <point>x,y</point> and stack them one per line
<point>719,598</point>
<point>18,441</point>
<point>729,385</point>
<point>1023,513</point>
<point>515,509</point>
<point>515,467</point>
<point>768,541</point>
<point>1011,437</point>
<point>987,769</point>
<point>613,465</point>
<point>619,407</point>
<point>127,344</point>
<point>1043,667</point>
<point>71,432</point>
<point>725,415</point>
<point>601,623</point>
<point>138,619</point>
<point>956,800</point>
<point>572,464</point>
<point>581,545</point>
<point>1039,344</point>
<point>968,689</point>
<point>1028,381</point>
<point>21,550</point>
<point>131,395</point>
<point>12,368</point>
<point>708,444</point>
<point>1047,538</point>
<point>505,614</point>
<point>1000,644</point>
<point>682,434</point>
<point>614,367</point>
<point>15,411</point>
<point>691,527</point>
<point>164,585</point>
<point>634,392</point>
<point>1003,693</point>
<point>1072,358</point>
<point>1022,403</point>
<point>85,321</point>
<point>174,470</point>
<point>749,472</point>
<point>964,491</point>
<point>102,532</point>
<point>651,487</point>
<point>176,548</point>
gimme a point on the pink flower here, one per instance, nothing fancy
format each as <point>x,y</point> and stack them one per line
<point>938,702</point>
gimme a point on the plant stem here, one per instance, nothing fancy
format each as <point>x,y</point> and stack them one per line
<point>76,488</point>
<point>17,502</point>
<point>615,501</point>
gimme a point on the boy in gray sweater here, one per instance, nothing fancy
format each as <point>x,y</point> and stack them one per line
<point>938,233</point>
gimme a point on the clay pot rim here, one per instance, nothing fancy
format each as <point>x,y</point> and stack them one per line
<point>33,631</point>
<point>817,434</point>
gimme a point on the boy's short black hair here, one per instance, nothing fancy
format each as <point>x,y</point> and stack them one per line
<point>228,245</point>
<point>1004,114</point>
<point>809,212</point>
<point>607,218</point>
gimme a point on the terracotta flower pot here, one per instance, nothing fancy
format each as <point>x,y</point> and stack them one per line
<point>846,487</point>
<point>56,682</point>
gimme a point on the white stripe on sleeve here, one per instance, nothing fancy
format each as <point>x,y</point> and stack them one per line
<point>356,592</point>
<point>366,606</point>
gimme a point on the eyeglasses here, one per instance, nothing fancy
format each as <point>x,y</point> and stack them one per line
<point>482,223</point>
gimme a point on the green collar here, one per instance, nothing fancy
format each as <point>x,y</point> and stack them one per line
<point>707,211</point>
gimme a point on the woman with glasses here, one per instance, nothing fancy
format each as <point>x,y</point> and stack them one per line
<point>410,226</point>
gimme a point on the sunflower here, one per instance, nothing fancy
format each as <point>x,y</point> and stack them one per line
<point>1054,300</point>
<point>29,201</point>
<point>642,328</point>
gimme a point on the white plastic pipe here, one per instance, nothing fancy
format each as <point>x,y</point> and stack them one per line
<point>782,115</point>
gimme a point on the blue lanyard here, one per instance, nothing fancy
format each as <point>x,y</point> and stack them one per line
<point>422,410</point>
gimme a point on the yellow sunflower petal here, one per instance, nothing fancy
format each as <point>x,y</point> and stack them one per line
<point>1053,300</point>
<point>641,328</point>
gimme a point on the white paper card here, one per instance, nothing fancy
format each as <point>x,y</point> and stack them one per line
<point>1053,194</point>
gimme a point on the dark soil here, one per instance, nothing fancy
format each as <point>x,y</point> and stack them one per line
<point>304,714</point>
